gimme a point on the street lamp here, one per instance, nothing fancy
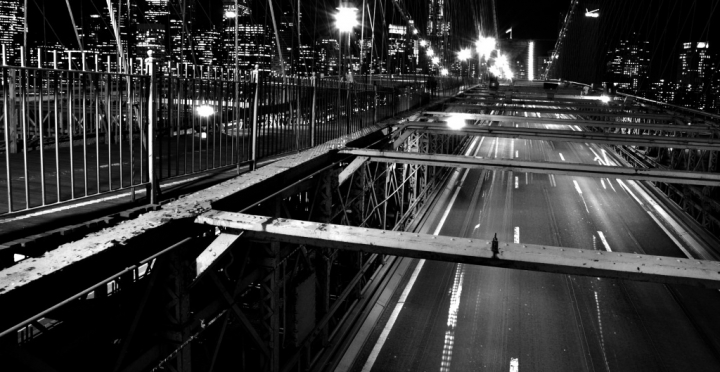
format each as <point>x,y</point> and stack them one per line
<point>463,56</point>
<point>430,53</point>
<point>345,21</point>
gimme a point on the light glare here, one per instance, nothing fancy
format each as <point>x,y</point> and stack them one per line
<point>464,54</point>
<point>230,14</point>
<point>456,122</point>
<point>436,60</point>
<point>346,19</point>
<point>205,110</point>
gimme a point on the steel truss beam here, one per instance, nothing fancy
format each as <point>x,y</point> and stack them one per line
<point>570,136</point>
<point>581,122</point>
<point>465,106</point>
<point>543,101</point>
<point>656,175</point>
<point>572,261</point>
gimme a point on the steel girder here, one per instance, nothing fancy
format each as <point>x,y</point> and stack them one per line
<point>682,177</point>
<point>559,111</point>
<point>473,251</point>
<point>668,128</point>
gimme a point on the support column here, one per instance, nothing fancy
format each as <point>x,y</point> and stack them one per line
<point>177,311</point>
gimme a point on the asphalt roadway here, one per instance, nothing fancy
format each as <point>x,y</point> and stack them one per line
<point>459,317</point>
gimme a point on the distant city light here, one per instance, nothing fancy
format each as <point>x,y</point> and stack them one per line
<point>531,61</point>
<point>464,54</point>
<point>443,71</point>
<point>230,14</point>
<point>430,52</point>
<point>346,19</point>
<point>604,99</point>
<point>205,110</point>
<point>423,43</point>
<point>436,60</point>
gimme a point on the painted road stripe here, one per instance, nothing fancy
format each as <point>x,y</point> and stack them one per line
<point>602,182</point>
<point>514,365</point>
<point>452,318</point>
<point>516,182</point>
<point>516,235</point>
<point>602,338</point>
<point>552,180</point>
<point>516,154</point>
<point>604,241</point>
<point>577,187</point>
<point>562,157</point>
<point>401,302</point>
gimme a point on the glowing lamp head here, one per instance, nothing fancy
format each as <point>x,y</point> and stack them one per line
<point>205,110</point>
<point>464,54</point>
<point>456,122</point>
<point>230,14</point>
<point>444,72</point>
<point>423,43</point>
<point>346,19</point>
<point>430,52</point>
<point>435,60</point>
<point>604,99</point>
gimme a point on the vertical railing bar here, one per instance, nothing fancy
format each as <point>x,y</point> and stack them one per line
<point>71,132</point>
<point>191,114</point>
<point>23,111</point>
<point>6,122</point>
<point>84,122</point>
<point>96,97</point>
<point>39,120</point>
<point>108,121</point>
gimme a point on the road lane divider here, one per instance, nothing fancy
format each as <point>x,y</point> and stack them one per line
<point>562,157</point>
<point>604,241</point>
<point>577,187</point>
<point>514,365</point>
<point>516,235</point>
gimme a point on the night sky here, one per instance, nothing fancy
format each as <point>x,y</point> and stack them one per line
<point>665,23</point>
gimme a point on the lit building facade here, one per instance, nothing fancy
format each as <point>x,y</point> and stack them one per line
<point>627,66</point>
<point>207,45</point>
<point>694,76</point>
<point>11,25</point>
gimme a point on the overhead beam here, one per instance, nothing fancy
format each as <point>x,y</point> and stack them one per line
<point>543,258</point>
<point>702,128</point>
<point>569,136</point>
<point>545,102</point>
<point>459,161</point>
<point>558,111</point>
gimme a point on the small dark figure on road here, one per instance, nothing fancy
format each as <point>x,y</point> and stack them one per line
<point>432,85</point>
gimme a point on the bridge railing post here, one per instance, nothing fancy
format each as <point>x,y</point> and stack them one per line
<point>375,103</point>
<point>313,82</point>
<point>152,193</point>
<point>255,80</point>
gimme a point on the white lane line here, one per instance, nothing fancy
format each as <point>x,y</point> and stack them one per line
<point>597,157</point>
<point>516,182</point>
<point>602,338</point>
<point>452,318</point>
<point>516,154</point>
<point>516,235</point>
<point>604,241</point>
<point>552,180</point>
<point>526,178</point>
<point>497,144</point>
<point>393,317</point>
<point>562,157</point>
<point>512,147</point>
<point>611,185</point>
<point>401,302</point>
<point>577,187</point>
<point>514,365</point>
<point>602,182</point>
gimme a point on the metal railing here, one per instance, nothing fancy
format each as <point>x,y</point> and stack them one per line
<point>69,134</point>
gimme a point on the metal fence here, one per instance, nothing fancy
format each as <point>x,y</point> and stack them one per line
<point>69,134</point>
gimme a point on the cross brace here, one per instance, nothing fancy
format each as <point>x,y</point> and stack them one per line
<point>581,122</point>
<point>571,136</point>
<point>657,175</point>
<point>473,251</point>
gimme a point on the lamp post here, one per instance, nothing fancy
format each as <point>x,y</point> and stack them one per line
<point>484,46</point>
<point>345,21</point>
<point>463,56</point>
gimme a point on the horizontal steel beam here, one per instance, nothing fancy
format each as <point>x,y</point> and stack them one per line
<point>575,169</point>
<point>569,136</point>
<point>700,128</point>
<point>472,251</point>
<point>515,102</point>
<point>466,106</point>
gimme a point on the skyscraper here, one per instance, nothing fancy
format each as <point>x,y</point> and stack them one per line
<point>255,41</point>
<point>11,23</point>
<point>694,75</point>
<point>181,15</point>
<point>438,28</point>
<point>627,66</point>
